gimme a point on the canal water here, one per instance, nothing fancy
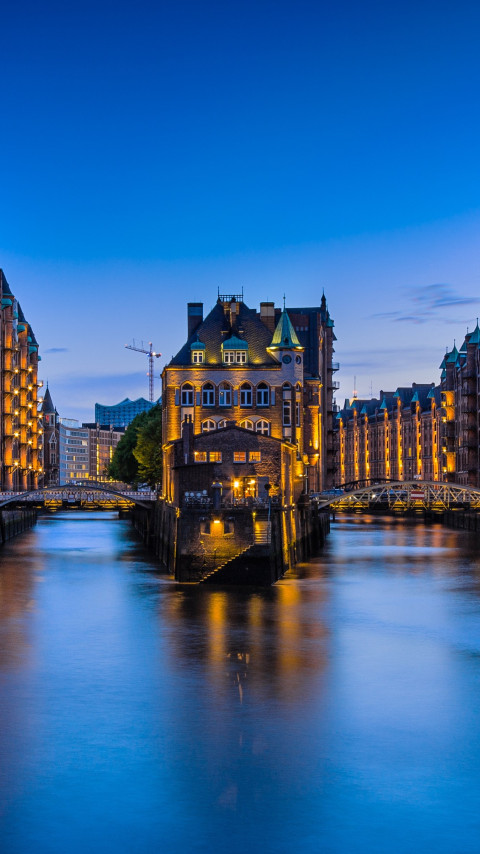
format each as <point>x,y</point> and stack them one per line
<point>338,711</point>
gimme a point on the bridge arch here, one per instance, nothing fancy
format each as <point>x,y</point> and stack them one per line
<point>101,496</point>
<point>405,495</point>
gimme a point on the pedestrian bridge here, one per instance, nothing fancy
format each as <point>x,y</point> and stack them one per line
<point>416,495</point>
<point>77,498</point>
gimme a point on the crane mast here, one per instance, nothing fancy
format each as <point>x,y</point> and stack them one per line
<point>151,356</point>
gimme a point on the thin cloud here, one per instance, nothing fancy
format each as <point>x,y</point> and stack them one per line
<point>56,350</point>
<point>426,304</point>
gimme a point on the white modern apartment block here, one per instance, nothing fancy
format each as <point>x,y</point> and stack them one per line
<point>74,451</point>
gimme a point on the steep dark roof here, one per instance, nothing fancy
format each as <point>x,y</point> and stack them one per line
<point>216,329</point>
<point>47,405</point>
<point>4,285</point>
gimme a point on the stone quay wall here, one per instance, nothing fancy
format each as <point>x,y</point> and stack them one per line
<point>194,542</point>
<point>462,520</point>
<point>13,522</point>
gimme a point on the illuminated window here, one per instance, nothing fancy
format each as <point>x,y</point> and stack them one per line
<point>215,456</point>
<point>262,394</point>
<point>245,394</point>
<point>208,425</point>
<point>222,424</point>
<point>200,456</point>
<point>208,395</point>
<point>187,395</point>
<point>225,394</point>
<point>263,427</point>
<point>254,456</point>
<point>239,456</point>
<point>247,424</point>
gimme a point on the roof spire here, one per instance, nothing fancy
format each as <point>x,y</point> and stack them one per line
<point>285,336</point>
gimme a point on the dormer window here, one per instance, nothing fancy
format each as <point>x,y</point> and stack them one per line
<point>234,351</point>
<point>197,351</point>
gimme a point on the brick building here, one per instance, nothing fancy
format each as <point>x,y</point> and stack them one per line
<point>269,373</point>
<point>51,441</point>
<point>21,464</point>
<point>393,437</point>
<point>460,423</point>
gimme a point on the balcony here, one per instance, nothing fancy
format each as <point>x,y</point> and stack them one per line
<point>335,366</point>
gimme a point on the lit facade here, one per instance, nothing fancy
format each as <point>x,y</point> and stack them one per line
<point>268,373</point>
<point>393,437</point>
<point>460,422</point>
<point>21,434</point>
<point>102,441</point>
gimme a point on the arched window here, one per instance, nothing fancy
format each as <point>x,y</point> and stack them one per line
<point>187,394</point>
<point>208,425</point>
<point>263,427</point>
<point>222,424</point>
<point>225,394</point>
<point>263,394</point>
<point>208,395</point>
<point>247,424</point>
<point>245,394</point>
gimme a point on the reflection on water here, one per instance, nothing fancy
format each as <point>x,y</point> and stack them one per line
<point>336,712</point>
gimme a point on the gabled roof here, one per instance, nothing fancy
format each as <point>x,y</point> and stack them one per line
<point>474,338</point>
<point>452,356</point>
<point>216,330</point>
<point>47,405</point>
<point>5,286</point>
<point>285,337</point>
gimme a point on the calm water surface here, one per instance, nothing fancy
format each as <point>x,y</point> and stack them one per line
<point>337,712</point>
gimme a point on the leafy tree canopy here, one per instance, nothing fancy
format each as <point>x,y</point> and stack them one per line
<point>148,449</point>
<point>124,466</point>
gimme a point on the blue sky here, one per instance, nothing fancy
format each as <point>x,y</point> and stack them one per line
<point>153,152</point>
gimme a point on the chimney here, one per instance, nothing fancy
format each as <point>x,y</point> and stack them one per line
<point>187,437</point>
<point>195,316</point>
<point>267,315</point>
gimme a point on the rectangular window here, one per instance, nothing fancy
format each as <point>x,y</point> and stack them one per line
<point>200,456</point>
<point>229,357</point>
<point>241,357</point>
<point>287,413</point>
<point>297,411</point>
<point>215,456</point>
<point>254,456</point>
<point>225,396</point>
<point>197,357</point>
<point>239,456</point>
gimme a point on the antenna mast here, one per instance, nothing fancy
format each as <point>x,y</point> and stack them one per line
<point>151,356</point>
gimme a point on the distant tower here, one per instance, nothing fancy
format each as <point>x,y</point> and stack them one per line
<point>49,417</point>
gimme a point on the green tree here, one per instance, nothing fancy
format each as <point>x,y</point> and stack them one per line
<point>124,466</point>
<point>148,449</point>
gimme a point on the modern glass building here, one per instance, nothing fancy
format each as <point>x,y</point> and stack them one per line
<point>121,414</point>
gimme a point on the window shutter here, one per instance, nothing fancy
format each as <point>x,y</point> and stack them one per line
<point>198,398</point>
<point>235,397</point>
<point>177,397</point>
<point>272,397</point>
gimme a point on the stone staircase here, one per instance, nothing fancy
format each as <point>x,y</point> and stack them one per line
<point>251,566</point>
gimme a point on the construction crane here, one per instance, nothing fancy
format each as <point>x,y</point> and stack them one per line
<point>151,356</point>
